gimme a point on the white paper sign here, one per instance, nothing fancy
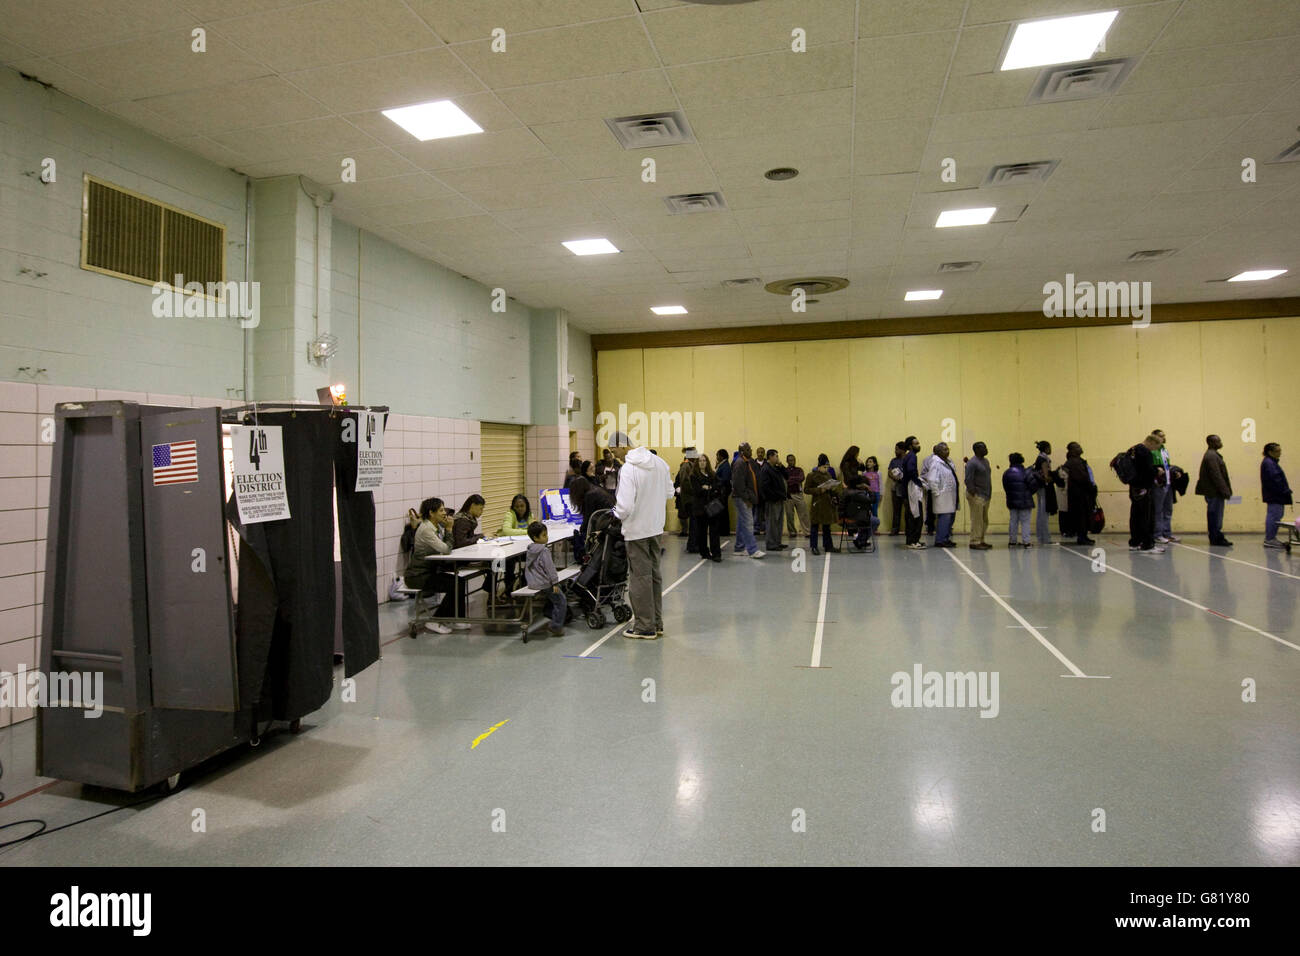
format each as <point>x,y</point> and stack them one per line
<point>260,489</point>
<point>370,451</point>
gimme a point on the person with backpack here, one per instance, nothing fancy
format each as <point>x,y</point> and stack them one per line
<point>1139,465</point>
<point>1019,486</point>
<point>1276,493</point>
<point>1215,487</point>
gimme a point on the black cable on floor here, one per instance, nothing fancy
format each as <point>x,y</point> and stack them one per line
<point>43,831</point>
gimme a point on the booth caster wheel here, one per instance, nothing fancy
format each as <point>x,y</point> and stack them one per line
<point>255,741</point>
<point>622,613</point>
<point>595,620</point>
<point>295,725</point>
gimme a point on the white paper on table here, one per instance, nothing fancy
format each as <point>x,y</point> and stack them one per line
<point>556,502</point>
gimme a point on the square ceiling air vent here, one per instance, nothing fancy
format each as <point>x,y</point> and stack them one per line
<point>741,283</point>
<point>1146,255</point>
<point>1289,155</point>
<point>651,129</point>
<point>694,202</point>
<point>1075,81</point>
<point>969,265</point>
<point>1013,174</point>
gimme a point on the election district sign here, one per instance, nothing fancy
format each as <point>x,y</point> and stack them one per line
<point>259,473</point>
<point>370,451</point>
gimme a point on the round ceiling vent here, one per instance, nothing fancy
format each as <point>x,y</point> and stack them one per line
<point>781,173</point>
<point>812,285</point>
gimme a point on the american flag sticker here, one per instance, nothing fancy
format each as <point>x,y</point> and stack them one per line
<point>175,462</point>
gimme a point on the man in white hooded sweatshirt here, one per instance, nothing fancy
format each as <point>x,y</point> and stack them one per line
<point>644,488</point>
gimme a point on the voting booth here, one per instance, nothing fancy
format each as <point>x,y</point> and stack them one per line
<point>141,599</point>
<point>555,506</point>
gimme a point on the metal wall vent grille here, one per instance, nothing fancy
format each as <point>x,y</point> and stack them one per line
<point>134,237</point>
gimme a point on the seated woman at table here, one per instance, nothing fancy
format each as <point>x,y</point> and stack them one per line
<point>463,532</point>
<point>433,536</point>
<point>519,517</point>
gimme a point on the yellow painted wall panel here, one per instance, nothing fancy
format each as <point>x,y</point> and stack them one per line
<point>620,381</point>
<point>769,403</point>
<point>720,395</point>
<point>669,392</point>
<point>1048,376</point>
<point>876,397</point>
<point>932,386</point>
<point>821,397</point>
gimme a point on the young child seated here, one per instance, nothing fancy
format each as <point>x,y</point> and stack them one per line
<point>539,573</point>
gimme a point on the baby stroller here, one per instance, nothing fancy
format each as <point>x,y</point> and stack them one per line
<point>856,519</point>
<point>603,580</point>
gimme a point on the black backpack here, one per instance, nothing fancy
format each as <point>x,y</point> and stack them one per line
<point>1122,465</point>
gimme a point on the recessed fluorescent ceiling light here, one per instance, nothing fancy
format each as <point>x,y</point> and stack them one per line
<point>668,310</point>
<point>439,120</point>
<point>590,247</point>
<point>918,294</point>
<point>1256,275</point>
<point>1059,40</point>
<point>965,217</point>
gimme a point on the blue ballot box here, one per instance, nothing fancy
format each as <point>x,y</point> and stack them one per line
<point>555,506</point>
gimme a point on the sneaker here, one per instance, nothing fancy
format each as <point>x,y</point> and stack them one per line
<point>1162,540</point>
<point>556,631</point>
<point>758,554</point>
<point>461,626</point>
<point>659,632</point>
<point>1026,544</point>
<point>1174,538</point>
<point>1274,543</point>
<point>1156,549</point>
<point>639,635</point>
<point>918,546</point>
<point>437,628</point>
<point>1134,547</point>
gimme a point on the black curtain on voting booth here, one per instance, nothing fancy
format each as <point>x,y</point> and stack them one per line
<point>285,621</point>
<point>356,510</point>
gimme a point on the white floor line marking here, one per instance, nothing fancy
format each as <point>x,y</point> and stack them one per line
<point>1014,613</point>
<point>616,627</point>
<point>1224,557</point>
<point>1041,627</point>
<point>1200,607</point>
<point>821,615</point>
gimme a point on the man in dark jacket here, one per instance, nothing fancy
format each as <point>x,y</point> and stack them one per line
<point>772,491</point>
<point>723,469</point>
<point>1141,509</point>
<point>1276,493</point>
<point>744,488</point>
<point>1214,486</point>
<point>914,493</point>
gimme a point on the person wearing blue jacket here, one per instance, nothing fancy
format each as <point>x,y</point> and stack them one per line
<point>1276,492</point>
<point>1019,486</point>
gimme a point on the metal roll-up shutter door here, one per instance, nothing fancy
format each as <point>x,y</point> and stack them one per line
<point>501,450</point>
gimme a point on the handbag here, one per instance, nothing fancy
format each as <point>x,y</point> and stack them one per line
<point>714,508</point>
<point>1097,521</point>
